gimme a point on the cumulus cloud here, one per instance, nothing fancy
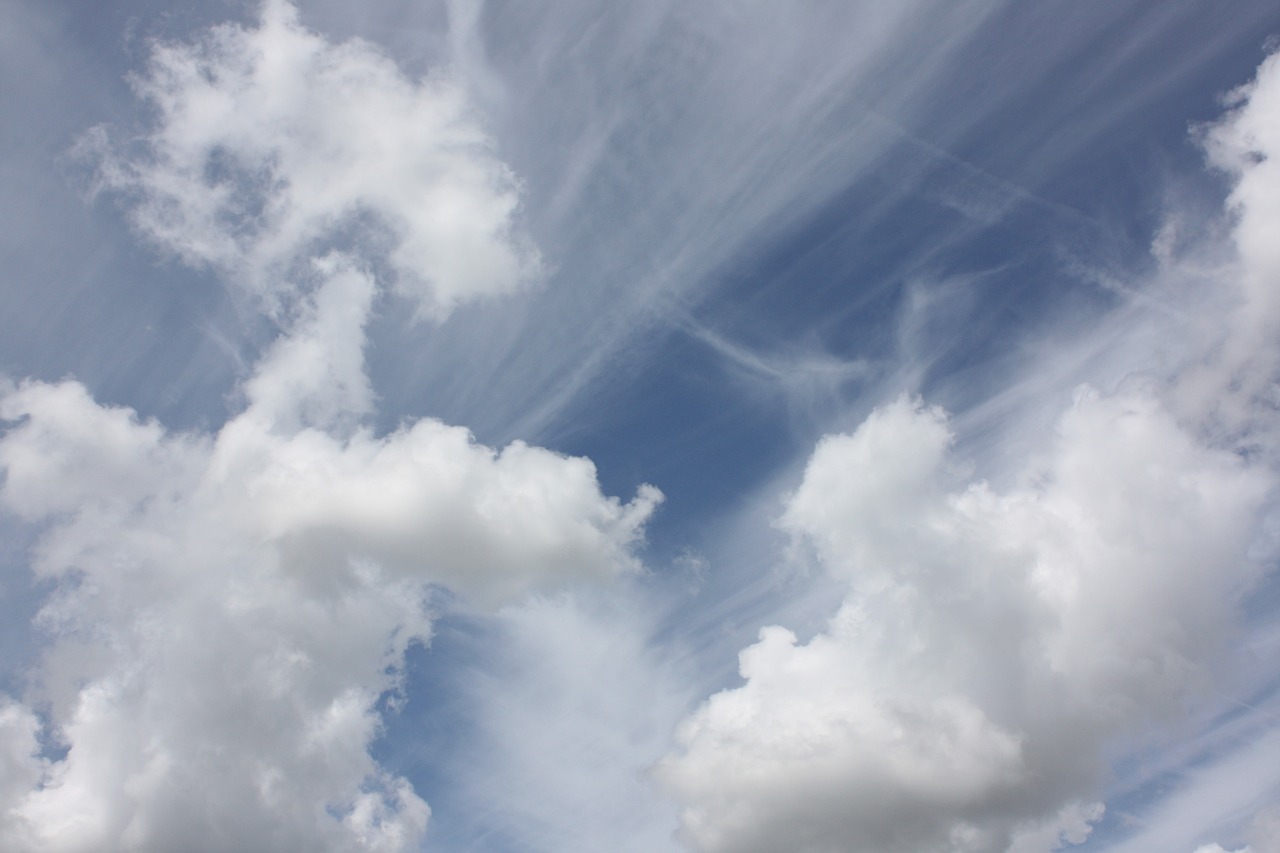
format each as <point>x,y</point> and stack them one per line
<point>993,642</point>
<point>571,710</point>
<point>231,609</point>
<point>990,643</point>
<point>269,142</point>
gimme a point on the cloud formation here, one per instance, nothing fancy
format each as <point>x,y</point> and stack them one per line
<point>993,642</point>
<point>990,642</point>
<point>231,609</point>
<point>1232,387</point>
<point>269,143</point>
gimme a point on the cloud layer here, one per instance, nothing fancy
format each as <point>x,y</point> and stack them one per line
<point>231,607</point>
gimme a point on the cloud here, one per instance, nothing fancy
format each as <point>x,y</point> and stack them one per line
<point>990,644</point>
<point>269,143</point>
<point>232,608</point>
<point>993,642</point>
<point>1234,383</point>
<point>571,708</point>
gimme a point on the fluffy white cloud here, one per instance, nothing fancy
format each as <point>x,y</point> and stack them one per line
<point>993,642</point>
<point>269,143</point>
<point>990,643</point>
<point>1245,145</point>
<point>231,607</point>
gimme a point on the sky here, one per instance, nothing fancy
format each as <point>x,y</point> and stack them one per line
<point>725,427</point>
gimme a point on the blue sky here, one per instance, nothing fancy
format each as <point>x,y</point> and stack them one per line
<point>479,426</point>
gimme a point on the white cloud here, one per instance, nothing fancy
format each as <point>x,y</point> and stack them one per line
<point>269,142</point>
<point>231,608</point>
<point>315,376</point>
<point>1234,385</point>
<point>992,643</point>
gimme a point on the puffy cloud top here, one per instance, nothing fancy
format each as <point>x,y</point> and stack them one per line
<point>269,144</point>
<point>231,607</point>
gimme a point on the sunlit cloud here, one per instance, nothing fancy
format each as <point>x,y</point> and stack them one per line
<point>993,643</point>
